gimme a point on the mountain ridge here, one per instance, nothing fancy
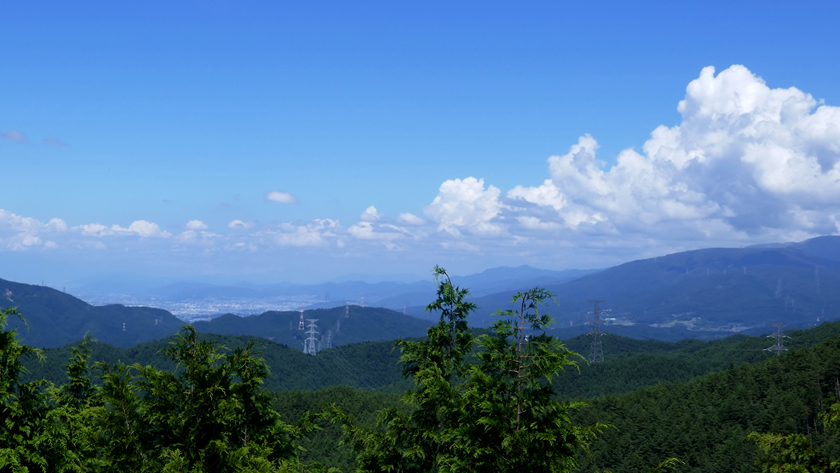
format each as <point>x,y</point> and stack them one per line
<point>716,289</point>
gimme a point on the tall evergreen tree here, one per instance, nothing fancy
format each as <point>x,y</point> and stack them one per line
<point>494,410</point>
<point>210,415</point>
<point>23,406</point>
<point>512,419</point>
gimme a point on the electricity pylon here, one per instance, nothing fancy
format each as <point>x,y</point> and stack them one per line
<point>597,353</point>
<point>310,345</point>
<point>779,347</point>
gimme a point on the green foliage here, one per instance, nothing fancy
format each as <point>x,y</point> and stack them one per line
<point>791,453</point>
<point>210,414</point>
<point>23,406</point>
<point>493,410</point>
<point>797,452</point>
<point>421,440</point>
<point>370,365</point>
<point>512,422</point>
<point>630,364</point>
<point>705,421</point>
<point>323,446</point>
<point>499,401</point>
<point>669,464</point>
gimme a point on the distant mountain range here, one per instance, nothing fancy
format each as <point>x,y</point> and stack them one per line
<point>247,299</point>
<point>716,289</point>
<point>54,319</point>
<point>703,293</point>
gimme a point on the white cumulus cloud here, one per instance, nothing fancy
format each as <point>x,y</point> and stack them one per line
<point>146,229</point>
<point>196,225</point>
<point>281,197</point>
<point>464,204</point>
<point>370,215</point>
<point>745,161</point>
<point>18,233</point>
<point>95,229</point>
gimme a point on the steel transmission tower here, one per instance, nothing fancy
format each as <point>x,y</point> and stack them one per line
<point>310,345</point>
<point>779,347</point>
<point>597,353</point>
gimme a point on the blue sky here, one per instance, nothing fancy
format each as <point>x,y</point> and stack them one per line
<point>249,140</point>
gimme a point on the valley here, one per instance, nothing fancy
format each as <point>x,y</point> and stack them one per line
<point>689,369</point>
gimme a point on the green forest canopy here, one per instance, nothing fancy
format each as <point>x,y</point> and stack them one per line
<point>126,416</point>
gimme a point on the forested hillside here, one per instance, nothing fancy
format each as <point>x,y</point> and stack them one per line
<point>629,364</point>
<point>713,288</point>
<point>338,326</point>
<point>54,318</point>
<point>368,365</point>
<point>705,422</point>
<point>633,364</point>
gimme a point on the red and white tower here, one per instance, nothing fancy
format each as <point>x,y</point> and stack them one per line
<point>300,324</point>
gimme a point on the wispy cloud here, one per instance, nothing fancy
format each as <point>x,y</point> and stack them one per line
<point>55,142</point>
<point>410,219</point>
<point>14,135</point>
<point>240,225</point>
<point>319,232</point>
<point>141,228</point>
